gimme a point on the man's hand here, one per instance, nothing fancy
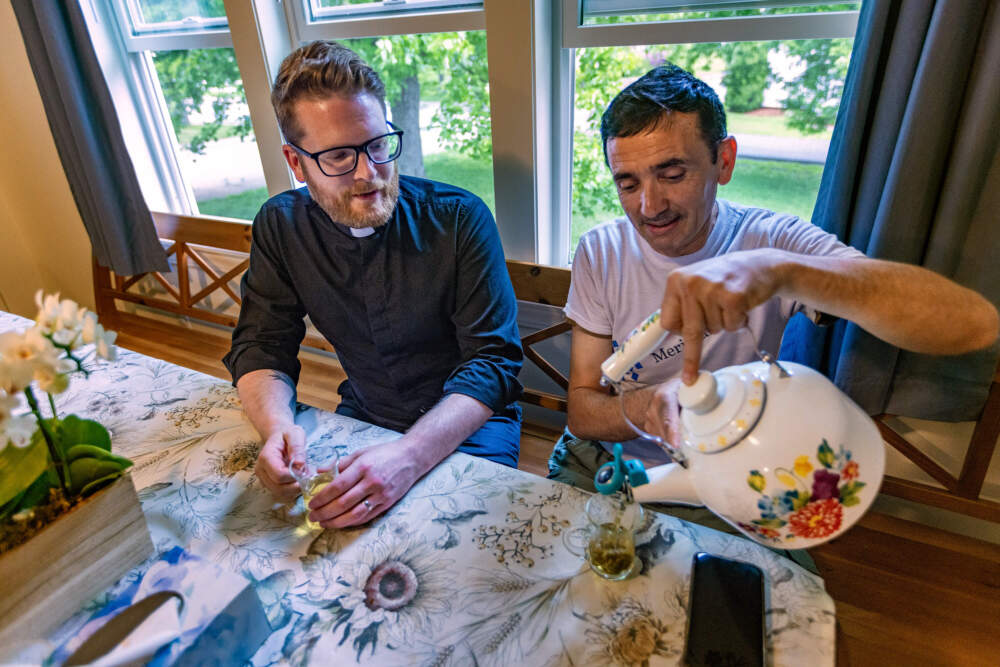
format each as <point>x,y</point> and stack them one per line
<point>268,398</point>
<point>380,475</point>
<point>282,446</point>
<point>663,414</point>
<point>716,294</point>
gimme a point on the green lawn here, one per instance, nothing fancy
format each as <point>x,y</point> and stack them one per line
<point>774,126</point>
<point>788,187</point>
<point>476,176</point>
<point>243,205</point>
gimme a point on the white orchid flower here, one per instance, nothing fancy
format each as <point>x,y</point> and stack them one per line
<point>17,361</point>
<point>38,348</point>
<point>89,327</point>
<point>18,430</point>
<point>48,310</point>
<point>69,314</point>
<point>7,404</point>
<point>67,337</point>
<point>105,344</point>
<point>50,380</point>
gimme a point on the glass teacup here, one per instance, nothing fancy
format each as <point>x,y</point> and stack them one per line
<point>313,476</point>
<point>612,524</point>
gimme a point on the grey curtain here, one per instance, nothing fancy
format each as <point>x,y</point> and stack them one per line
<point>88,136</point>
<point>913,175</point>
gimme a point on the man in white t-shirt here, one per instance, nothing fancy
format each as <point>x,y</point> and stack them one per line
<point>726,268</point>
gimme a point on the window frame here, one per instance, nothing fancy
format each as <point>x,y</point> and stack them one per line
<point>214,34</point>
<point>817,25</point>
<point>386,9</point>
<point>304,28</point>
<point>574,34</point>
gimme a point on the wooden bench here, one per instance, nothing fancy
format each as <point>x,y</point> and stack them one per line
<point>202,294</point>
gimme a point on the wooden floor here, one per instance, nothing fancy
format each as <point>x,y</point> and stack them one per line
<point>906,594</point>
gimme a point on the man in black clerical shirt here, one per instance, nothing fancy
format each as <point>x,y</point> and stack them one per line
<point>404,276</point>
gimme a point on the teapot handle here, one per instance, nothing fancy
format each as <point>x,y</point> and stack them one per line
<point>673,450</point>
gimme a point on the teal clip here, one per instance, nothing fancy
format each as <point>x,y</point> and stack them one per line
<point>619,474</point>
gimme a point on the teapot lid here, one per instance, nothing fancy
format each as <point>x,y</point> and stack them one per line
<point>721,408</point>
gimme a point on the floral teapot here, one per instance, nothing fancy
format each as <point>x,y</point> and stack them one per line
<point>776,450</point>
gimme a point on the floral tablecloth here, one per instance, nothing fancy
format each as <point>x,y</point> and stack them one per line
<point>477,565</point>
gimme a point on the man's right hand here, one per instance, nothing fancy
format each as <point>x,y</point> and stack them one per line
<point>283,445</point>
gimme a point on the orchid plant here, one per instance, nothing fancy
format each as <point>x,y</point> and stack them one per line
<point>44,453</point>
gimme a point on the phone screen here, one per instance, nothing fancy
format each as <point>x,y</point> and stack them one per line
<point>725,613</point>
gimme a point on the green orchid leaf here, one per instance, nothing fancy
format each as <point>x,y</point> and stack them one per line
<point>770,523</point>
<point>76,431</point>
<point>20,467</point>
<point>87,470</point>
<point>13,505</point>
<point>825,454</point>
<point>36,493</point>
<point>100,483</point>
<point>849,501</point>
<point>83,451</point>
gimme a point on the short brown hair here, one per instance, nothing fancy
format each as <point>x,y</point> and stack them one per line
<point>315,71</point>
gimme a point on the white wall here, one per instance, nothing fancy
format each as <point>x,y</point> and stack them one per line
<point>43,243</point>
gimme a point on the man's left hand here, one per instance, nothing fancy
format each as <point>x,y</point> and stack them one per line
<point>370,482</point>
<point>716,294</point>
<point>663,414</point>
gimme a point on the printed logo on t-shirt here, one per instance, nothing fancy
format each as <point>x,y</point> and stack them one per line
<point>659,356</point>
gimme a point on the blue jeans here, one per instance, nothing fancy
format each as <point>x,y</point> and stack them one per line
<point>498,440</point>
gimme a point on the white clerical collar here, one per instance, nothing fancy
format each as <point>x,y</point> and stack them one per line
<point>364,231</point>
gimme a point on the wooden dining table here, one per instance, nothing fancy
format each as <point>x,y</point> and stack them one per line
<point>486,558</point>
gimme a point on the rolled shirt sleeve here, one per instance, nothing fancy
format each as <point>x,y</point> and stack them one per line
<point>270,327</point>
<point>485,316</point>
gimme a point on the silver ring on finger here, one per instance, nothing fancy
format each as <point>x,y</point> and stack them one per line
<point>367,503</point>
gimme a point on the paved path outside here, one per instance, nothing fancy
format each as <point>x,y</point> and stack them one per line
<point>781,148</point>
<point>227,167</point>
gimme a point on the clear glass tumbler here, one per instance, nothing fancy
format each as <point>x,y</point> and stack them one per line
<point>612,524</point>
<point>313,474</point>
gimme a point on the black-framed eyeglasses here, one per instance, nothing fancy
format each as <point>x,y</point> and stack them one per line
<point>341,160</point>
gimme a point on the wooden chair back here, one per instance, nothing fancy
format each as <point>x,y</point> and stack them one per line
<point>962,493</point>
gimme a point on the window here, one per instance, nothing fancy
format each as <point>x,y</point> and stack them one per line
<point>216,148</point>
<point>171,67</point>
<point>781,98</point>
<point>150,17</point>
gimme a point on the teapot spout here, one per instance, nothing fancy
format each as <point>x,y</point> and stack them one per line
<point>668,483</point>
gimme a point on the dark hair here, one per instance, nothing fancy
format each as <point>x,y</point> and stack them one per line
<point>315,71</point>
<point>660,91</point>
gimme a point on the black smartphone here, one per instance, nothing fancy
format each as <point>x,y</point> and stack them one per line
<point>725,613</point>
